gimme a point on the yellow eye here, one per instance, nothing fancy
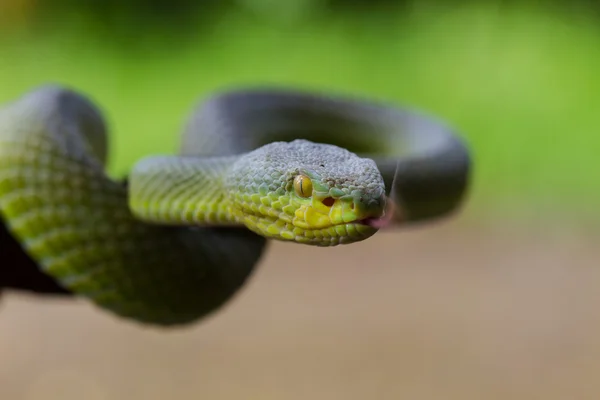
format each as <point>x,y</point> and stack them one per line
<point>303,186</point>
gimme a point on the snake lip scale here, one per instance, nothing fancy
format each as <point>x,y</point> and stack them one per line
<point>184,234</point>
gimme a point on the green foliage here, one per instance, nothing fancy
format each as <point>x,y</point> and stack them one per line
<point>520,83</point>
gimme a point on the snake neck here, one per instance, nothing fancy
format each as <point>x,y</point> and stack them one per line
<point>189,191</point>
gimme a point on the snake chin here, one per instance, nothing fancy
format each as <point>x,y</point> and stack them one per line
<point>333,235</point>
<point>344,233</point>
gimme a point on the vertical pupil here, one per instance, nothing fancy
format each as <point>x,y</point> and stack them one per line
<point>303,186</point>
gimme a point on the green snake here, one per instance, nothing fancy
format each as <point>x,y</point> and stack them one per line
<point>183,234</point>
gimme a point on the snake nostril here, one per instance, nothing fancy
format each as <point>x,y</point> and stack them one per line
<point>328,201</point>
<point>352,206</point>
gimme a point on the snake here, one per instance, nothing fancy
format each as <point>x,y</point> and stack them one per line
<point>178,237</point>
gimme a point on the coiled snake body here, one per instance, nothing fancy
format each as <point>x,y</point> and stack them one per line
<point>185,232</point>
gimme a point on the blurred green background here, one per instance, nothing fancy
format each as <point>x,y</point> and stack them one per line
<point>517,79</point>
<point>500,302</point>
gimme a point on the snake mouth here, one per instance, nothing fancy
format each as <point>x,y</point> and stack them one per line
<point>372,222</point>
<point>391,216</point>
<point>332,234</point>
<point>383,221</point>
<point>344,233</point>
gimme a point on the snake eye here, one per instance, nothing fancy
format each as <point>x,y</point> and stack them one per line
<point>303,186</point>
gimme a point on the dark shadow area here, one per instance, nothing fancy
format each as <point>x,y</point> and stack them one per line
<point>19,271</point>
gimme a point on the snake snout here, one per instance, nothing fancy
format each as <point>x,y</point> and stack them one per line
<point>369,207</point>
<point>390,213</point>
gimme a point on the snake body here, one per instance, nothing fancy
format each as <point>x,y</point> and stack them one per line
<point>179,239</point>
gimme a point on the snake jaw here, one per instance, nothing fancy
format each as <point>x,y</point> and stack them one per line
<point>329,220</point>
<point>309,225</point>
<point>313,221</point>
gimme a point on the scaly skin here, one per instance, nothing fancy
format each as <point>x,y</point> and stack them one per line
<point>75,221</point>
<point>111,242</point>
<point>256,190</point>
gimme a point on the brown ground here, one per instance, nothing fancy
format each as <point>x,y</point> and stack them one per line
<point>446,312</point>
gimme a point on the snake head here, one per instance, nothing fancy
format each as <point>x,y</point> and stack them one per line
<point>307,192</point>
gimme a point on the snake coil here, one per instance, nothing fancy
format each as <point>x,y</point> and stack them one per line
<point>80,228</point>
